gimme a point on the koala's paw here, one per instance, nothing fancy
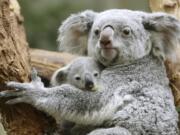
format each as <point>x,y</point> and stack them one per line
<point>23,92</point>
<point>35,83</point>
<point>15,96</point>
<point>36,80</point>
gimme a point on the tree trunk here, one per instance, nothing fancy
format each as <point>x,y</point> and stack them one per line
<point>18,119</point>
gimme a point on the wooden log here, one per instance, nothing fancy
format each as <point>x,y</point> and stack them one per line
<point>46,62</point>
<point>17,119</point>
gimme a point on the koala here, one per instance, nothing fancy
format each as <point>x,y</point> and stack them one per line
<point>83,73</point>
<point>132,46</point>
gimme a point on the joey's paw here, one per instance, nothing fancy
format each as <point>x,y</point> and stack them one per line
<point>14,96</point>
<point>36,80</point>
<point>10,93</point>
<point>20,86</point>
<point>35,84</point>
<point>17,100</point>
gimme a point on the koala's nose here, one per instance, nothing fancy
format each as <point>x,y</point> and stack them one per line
<point>89,84</point>
<point>106,37</point>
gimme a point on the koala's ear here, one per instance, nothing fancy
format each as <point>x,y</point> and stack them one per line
<point>59,77</point>
<point>73,33</point>
<point>165,34</point>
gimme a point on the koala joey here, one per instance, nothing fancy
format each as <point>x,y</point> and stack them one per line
<point>83,72</point>
<point>132,46</point>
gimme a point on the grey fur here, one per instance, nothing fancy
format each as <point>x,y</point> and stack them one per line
<point>86,69</point>
<point>73,33</point>
<point>88,72</point>
<point>133,69</point>
<point>151,112</point>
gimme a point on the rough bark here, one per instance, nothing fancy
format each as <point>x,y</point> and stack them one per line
<point>18,119</point>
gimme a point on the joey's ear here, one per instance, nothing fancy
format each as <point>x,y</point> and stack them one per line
<point>73,33</point>
<point>59,76</point>
<point>165,34</point>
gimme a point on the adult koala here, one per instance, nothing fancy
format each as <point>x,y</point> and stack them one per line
<point>132,45</point>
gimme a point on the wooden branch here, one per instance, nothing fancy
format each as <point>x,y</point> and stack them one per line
<point>46,62</point>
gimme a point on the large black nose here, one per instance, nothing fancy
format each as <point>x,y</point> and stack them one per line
<point>89,84</point>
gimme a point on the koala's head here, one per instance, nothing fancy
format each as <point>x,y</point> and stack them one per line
<point>122,36</point>
<point>82,72</point>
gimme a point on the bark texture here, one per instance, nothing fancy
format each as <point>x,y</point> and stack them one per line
<point>18,119</point>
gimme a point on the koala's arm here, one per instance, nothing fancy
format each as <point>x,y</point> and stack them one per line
<point>65,101</point>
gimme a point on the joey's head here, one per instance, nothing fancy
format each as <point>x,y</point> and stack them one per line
<point>82,72</point>
<point>122,36</point>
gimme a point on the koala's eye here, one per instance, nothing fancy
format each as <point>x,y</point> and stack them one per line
<point>96,74</point>
<point>96,32</point>
<point>77,78</point>
<point>126,31</point>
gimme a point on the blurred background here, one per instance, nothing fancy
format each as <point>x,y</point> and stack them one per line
<point>43,17</point>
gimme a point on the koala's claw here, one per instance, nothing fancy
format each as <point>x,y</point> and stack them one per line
<point>10,93</point>
<point>20,86</point>
<point>16,100</point>
<point>36,83</point>
<point>34,76</point>
<point>36,80</point>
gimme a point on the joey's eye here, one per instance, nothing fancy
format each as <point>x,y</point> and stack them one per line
<point>77,78</point>
<point>126,31</point>
<point>96,74</point>
<point>96,32</point>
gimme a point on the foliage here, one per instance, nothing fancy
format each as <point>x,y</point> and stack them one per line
<point>43,17</point>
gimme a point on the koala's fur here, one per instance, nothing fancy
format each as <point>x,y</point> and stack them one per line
<point>74,33</point>
<point>87,71</point>
<point>83,73</point>
<point>133,55</point>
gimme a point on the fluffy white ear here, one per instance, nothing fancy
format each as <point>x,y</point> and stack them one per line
<point>59,76</point>
<point>73,33</point>
<point>165,34</point>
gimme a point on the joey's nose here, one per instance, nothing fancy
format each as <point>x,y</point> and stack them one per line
<point>106,37</point>
<point>89,84</point>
